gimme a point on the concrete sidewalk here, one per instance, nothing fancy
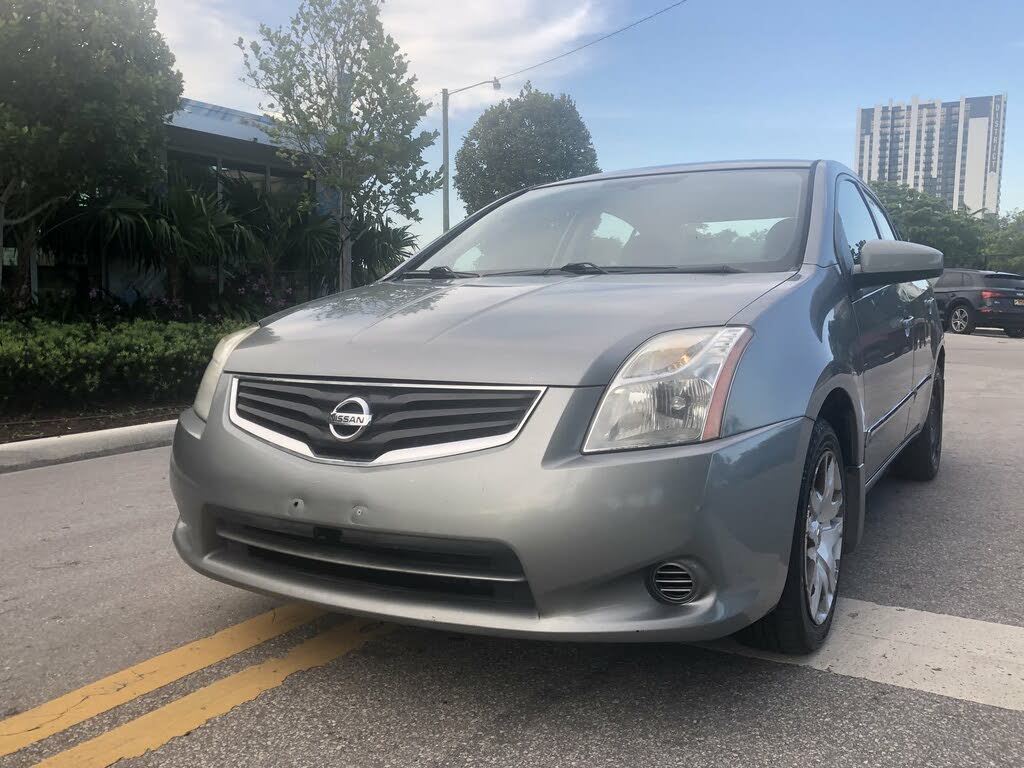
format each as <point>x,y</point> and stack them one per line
<point>45,451</point>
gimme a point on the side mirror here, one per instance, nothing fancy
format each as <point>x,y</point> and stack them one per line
<point>892,261</point>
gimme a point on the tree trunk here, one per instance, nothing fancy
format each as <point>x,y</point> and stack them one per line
<point>3,225</point>
<point>345,245</point>
<point>346,262</point>
<point>342,231</point>
<point>173,267</point>
<point>26,255</point>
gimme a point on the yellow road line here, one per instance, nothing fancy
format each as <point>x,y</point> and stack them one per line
<point>103,695</point>
<point>153,730</point>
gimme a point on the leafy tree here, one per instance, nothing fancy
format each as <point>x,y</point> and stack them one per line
<point>345,106</point>
<point>924,218</point>
<point>535,138</point>
<point>1004,242</point>
<point>88,85</point>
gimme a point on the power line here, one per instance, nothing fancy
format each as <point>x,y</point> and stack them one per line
<point>619,31</point>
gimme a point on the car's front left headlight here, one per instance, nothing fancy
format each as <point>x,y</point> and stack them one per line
<point>207,387</point>
<point>671,390</point>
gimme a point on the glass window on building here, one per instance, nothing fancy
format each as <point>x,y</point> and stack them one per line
<point>254,174</point>
<point>288,183</point>
<point>196,171</point>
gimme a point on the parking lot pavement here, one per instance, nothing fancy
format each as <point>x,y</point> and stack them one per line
<point>927,668</point>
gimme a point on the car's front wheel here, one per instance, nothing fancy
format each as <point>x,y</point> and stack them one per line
<point>802,619</point>
<point>1015,333</point>
<point>961,319</point>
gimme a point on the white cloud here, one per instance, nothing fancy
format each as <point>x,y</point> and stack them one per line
<point>453,43</point>
<point>202,35</point>
<point>450,43</point>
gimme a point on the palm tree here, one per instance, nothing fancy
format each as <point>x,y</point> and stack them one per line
<point>288,233</point>
<point>177,232</point>
<point>239,230</point>
<point>187,229</point>
<point>379,250</point>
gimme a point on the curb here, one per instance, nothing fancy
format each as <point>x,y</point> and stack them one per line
<point>28,454</point>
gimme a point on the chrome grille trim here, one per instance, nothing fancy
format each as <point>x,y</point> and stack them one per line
<point>439,450</point>
<point>311,551</point>
<point>411,567</point>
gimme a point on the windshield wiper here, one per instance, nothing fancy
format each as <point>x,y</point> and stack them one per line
<point>573,268</point>
<point>580,268</point>
<point>443,272</point>
<point>717,269</point>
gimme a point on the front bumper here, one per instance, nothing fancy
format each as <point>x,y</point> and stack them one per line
<point>586,529</point>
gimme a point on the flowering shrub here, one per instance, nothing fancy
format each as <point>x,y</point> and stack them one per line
<point>255,296</point>
<point>61,364</point>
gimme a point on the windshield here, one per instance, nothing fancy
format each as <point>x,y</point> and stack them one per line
<point>749,220</point>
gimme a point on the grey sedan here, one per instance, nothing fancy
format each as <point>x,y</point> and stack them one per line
<point>638,406</point>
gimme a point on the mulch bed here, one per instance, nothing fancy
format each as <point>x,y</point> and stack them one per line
<point>28,426</point>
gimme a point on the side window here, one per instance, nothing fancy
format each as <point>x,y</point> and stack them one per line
<point>950,280</point>
<point>884,229</point>
<point>854,222</point>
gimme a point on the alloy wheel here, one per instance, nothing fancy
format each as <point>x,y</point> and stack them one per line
<point>823,536</point>
<point>959,320</point>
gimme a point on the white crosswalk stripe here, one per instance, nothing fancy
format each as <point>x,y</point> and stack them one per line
<point>952,656</point>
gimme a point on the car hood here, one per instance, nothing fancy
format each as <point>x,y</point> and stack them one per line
<point>553,330</point>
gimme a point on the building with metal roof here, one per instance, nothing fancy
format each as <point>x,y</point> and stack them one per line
<point>206,141</point>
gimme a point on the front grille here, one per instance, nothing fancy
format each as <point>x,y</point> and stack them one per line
<point>413,565</point>
<point>404,418</point>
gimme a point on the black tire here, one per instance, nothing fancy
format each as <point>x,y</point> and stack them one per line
<point>961,316</point>
<point>921,459</point>
<point>1014,333</point>
<point>789,628</point>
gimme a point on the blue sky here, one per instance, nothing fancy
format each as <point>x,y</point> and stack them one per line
<point>713,79</point>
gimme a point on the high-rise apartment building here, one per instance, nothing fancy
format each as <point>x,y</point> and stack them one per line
<point>952,149</point>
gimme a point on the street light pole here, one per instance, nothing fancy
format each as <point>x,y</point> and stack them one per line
<point>444,145</point>
<point>445,93</point>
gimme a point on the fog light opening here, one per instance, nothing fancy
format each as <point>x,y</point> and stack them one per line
<point>672,583</point>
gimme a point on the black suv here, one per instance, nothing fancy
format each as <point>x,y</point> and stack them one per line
<point>972,298</point>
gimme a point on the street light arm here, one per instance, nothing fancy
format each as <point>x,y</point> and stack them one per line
<point>493,81</point>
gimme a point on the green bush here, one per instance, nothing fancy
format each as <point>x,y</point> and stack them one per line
<point>57,365</point>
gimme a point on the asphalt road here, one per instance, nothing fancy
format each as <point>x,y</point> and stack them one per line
<point>930,671</point>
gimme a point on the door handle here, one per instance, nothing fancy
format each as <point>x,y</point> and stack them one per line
<point>906,322</point>
<point>929,301</point>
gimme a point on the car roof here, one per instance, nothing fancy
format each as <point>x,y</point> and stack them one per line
<point>986,272</point>
<point>655,170</point>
